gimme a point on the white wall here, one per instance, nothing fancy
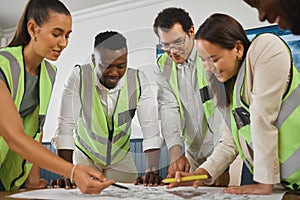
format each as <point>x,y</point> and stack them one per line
<point>134,19</point>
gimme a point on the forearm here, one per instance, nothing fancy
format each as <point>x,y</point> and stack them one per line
<point>175,152</point>
<point>219,161</point>
<point>223,155</point>
<point>152,159</point>
<point>147,113</point>
<point>70,107</point>
<point>170,116</point>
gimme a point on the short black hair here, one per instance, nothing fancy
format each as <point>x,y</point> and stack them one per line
<point>291,9</point>
<point>111,40</point>
<point>170,16</point>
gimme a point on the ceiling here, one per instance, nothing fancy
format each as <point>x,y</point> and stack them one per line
<point>11,10</point>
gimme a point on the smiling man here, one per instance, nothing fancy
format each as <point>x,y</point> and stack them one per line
<point>284,12</point>
<point>98,103</point>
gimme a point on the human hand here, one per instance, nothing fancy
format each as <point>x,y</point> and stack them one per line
<point>260,188</point>
<point>222,180</point>
<point>195,184</point>
<point>180,164</point>
<point>42,183</point>
<point>62,182</point>
<point>178,175</point>
<point>149,179</point>
<point>89,180</point>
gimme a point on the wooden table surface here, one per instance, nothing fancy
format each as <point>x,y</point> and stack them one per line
<point>3,195</point>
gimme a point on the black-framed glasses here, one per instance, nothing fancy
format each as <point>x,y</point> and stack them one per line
<point>177,44</point>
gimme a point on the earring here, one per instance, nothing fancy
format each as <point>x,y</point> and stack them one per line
<point>34,38</point>
<point>239,58</point>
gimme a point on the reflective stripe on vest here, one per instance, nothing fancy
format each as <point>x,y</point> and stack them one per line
<point>287,121</point>
<point>93,136</point>
<point>169,69</point>
<point>14,170</point>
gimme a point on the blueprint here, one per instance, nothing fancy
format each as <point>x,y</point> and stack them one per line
<point>142,192</point>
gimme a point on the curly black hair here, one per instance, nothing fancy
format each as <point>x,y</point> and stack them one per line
<point>110,40</point>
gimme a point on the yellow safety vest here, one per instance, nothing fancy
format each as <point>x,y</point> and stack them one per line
<point>93,136</point>
<point>169,70</point>
<point>287,124</point>
<point>13,168</point>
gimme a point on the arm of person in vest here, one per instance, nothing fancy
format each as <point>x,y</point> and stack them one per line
<point>69,111</point>
<point>267,76</point>
<point>33,181</point>
<point>147,113</point>
<point>170,124</point>
<point>13,133</point>
<point>223,155</point>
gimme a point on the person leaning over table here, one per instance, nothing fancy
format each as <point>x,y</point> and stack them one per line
<point>26,81</point>
<point>263,83</point>
<point>99,100</point>
<point>284,12</point>
<point>185,102</point>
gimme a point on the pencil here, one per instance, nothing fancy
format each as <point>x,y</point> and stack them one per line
<point>120,186</point>
<point>114,184</point>
<point>185,178</point>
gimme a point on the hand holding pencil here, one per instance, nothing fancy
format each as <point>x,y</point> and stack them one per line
<point>187,179</point>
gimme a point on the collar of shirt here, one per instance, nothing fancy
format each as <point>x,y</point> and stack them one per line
<point>100,86</point>
<point>190,60</point>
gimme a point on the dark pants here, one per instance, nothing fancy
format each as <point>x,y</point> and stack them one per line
<point>247,177</point>
<point>1,187</point>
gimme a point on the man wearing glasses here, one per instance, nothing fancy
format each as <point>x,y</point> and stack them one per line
<point>186,107</point>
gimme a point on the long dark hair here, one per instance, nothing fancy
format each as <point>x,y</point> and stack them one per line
<point>38,10</point>
<point>225,31</point>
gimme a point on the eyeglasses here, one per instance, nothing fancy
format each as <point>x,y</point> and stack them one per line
<point>177,44</point>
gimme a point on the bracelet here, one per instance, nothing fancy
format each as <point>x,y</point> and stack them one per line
<point>72,173</point>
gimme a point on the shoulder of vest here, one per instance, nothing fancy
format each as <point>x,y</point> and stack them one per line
<point>83,65</point>
<point>15,52</point>
<point>162,59</point>
<point>11,57</point>
<point>77,65</point>
<point>132,69</point>
<point>133,72</point>
<point>47,63</point>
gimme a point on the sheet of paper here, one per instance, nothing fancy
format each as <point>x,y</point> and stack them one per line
<point>142,192</point>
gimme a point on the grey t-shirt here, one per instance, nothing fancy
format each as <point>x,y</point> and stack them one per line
<point>31,95</point>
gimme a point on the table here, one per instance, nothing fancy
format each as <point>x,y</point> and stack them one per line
<point>287,196</point>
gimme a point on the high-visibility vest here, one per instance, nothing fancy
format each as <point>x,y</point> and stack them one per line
<point>13,168</point>
<point>93,136</point>
<point>169,70</point>
<point>287,123</point>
